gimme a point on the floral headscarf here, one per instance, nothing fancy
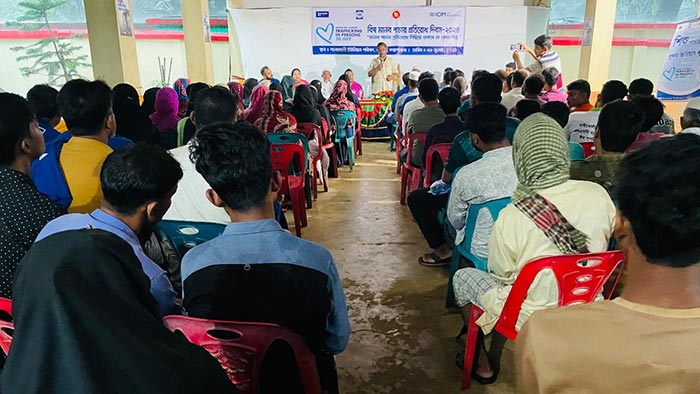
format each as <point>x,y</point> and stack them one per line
<point>237,90</point>
<point>180,87</point>
<point>338,99</point>
<point>274,119</point>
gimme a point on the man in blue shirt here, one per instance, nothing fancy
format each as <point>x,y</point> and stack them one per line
<point>42,98</point>
<point>267,75</point>
<point>138,182</point>
<point>256,271</point>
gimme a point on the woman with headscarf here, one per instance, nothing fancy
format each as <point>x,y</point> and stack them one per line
<point>248,87</point>
<point>274,119</point>
<point>349,94</point>
<point>296,76</point>
<point>257,104</point>
<point>86,322</point>
<point>287,85</point>
<point>550,215</point>
<point>460,83</point>
<point>180,87</point>
<point>185,127</point>
<point>238,91</point>
<point>148,106</point>
<point>165,117</point>
<point>131,121</point>
<point>336,102</point>
<point>305,111</point>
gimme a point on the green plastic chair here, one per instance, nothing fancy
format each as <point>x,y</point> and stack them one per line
<point>341,118</point>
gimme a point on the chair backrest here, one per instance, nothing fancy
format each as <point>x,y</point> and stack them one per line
<point>588,149</point>
<point>290,161</point>
<point>495,207</point>
<point>580,278</point>
<point>185,235</point>
<point>341,118</point>
<point>441,149</point>
<point>416,136</point>
<point>6,326</point>
<point>241,347</point>
<point>309,130</point>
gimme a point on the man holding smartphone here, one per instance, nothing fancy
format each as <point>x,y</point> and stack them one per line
<point>544,57</point>
<point>382,70</point>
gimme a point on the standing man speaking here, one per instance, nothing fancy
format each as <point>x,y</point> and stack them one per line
<point>382,70</point>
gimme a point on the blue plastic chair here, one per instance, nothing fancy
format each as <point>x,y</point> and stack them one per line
<point>464,249</point>
<point>185,235</point>
<point>341,119</point>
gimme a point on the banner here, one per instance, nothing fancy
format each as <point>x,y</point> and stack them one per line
<point>680,78</point>
<point>406,30</point>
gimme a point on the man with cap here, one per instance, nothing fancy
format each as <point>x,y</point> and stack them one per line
<point>690,121</point>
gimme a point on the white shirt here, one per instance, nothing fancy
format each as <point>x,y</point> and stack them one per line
<point>691,130</point>
<point>512,97</point>
<point>581,126</point>
<point>379,82</point>
<point>408,109</point>
<point>190,202</point>
<point>666,125</point>
<point>326,89</point>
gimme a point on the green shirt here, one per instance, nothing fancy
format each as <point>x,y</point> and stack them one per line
<point>601,169</point>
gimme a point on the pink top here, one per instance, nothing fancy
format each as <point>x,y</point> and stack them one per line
<point>356,90</point>
<point>643,139</point>
<point>553,95</point>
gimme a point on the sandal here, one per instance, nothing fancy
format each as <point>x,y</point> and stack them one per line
<point>459,361</point>
<point>436,261</point>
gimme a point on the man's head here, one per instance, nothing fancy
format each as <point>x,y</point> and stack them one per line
<point>519,77</point>
<point>448,77</point>
<point>20,135</point>
<point>612,90</point>
<point>449,100</point>
<point>425,75</point>
<point>543,44</point>
<point>653,111</point>
<point>214,105</point>
<point>382,49</point>
<point>428,90</point>
<point>533,85</point>
<point>486,123</point>
<point>266,72</point>
<point>486,89</point>
<point>139,180</point>
<point>527,107</point>
<point>404,78</point>
<point>558,111</point>
<point>235,160</point>
<point>551,77</point>
<point>351,76</point>
<point>578,93</point>
<point>413,78</point>
<point>640,86</point>
<point>618,125</point>
<point>510,68</point>
<point>658,217</point>
<point>691,114</point>
<point>326,75</point>
<point>86,106</point>
<point>43,99</point>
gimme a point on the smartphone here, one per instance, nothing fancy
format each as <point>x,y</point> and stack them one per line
<point>516,47</point>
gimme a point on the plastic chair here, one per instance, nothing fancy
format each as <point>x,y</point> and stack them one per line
<point>358,132</point>
<point>296,138</point>
<point>464,249</point>
<point>443,150</point>
<point>312,130</point>
<point>341,118</point>
<point>408,170</point>
<point>576,152</point>
<point>328,144</point>
<point>241,347</point>
<point>184,235</point>
<point>588,149</point>
<point>399,142</point>
<point>580,278</point>
<point>6,326</point>
<point>284,157</point>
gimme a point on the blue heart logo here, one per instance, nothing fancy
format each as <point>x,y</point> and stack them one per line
<point>326,33</point>
<point>668,73</point>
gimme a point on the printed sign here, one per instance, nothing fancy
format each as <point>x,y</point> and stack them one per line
<point>680,78</point>
<point>207,27</point>
<point>124,14</point>
<point>406,30</point>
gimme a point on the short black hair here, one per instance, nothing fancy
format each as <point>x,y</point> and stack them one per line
<point>613,90</point>
<point>404,78</point>
<point>84,106</point>
<point>488,121</point>
<point>478,73</point>
<point>214,105</point>
<point>641,86</point>
<point>533,84</point>
<point>544,41</point>
<point>458,73</point>
<point>653,110</point>
<point>449,99</point>
<point>426,74</point>
<point>15,117</point>
<point>262,70</point>
<point>501,74</point>
<point>511,65</point>
<point>619,123</point>
<point>137,174</point>
<point>657,191</point>
<point>580,85</point>
<point>509,81</point>
<point>295,69</point>
<point>349,69</point>
<point>526,107</point>
<point>277,86</point>
<point>381,43</point>
<point>448,77</point>
<point>428,89</point>
<point>447,69</point>
<point>235,160</point>
<point>551,76</point>
<point>42,99</point>
<point>557,111</point>
<point>519,77</point>
<point>487,88</point>
<point>192,90</point>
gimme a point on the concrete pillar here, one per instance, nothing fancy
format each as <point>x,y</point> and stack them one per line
<point>234,45</point>
<point>195,23</point>
<point>595,57</point>
<point>112,46</point>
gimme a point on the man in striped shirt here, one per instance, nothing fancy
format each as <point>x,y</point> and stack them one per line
<point>544,57</point>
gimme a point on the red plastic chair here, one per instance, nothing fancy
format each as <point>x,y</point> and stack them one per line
<point>241,347</point>
<point>309,130</point>
<point>6,327</point>
<point>328,144</point>
<point>399,143</point>
<point>284,155</point>
<point>588,149</point>
<point>408,170</point>
<point>580,278</point>
<point>443,150</point>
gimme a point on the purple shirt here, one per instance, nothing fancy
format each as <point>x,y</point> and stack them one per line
<point>553,95</point>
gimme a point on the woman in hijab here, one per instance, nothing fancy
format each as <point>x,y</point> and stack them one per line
<point>165,117</point>
<point>339,101</point>
<point>257,104</point>
<point>550,215</point>
<point>238,91</point>
<point>248,87</point>
<point>305,111</point>
<point>131,121</point>
<point>148,106</point>
<point>180,87</point>
<point>349,94</point>
<point>296,76</point>
<point>274,119</point>
<point>82,327</point>
<point>287,84</point>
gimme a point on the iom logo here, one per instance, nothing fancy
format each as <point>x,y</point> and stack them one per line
<point>359,14</point>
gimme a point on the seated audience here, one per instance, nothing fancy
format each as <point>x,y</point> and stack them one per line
<point>464,108</point>
<point>646,340</point>
<point>515,93</point>
<point>257,104</point>
<point>296,76</point>
<point>460,83</point>
<point>400,92</point>
<point>165,117</point>
<point>413,103</point>
<point>138,182</point>
<point>350,95</point>
<point>185,127</point>
<point>339,101</point>
<point>690,120</point>
<point>69,172</point>
<point>42,98</point>
<point>180,86</point>
<point>551,93</point>
<point>24,210</point>
<point>237,91</point>
<point>132,123</point>
<point>248,87</point>
<point>237,276</point>
<point>549,215</point>
<point>653,111</point>
<point>274,119</point>
<point>326,84</point>
<point>560,112</point>
<point>532,87</point>
<point>444,132</point>
<point>511,68</point>
<point>618,126</point>
<point>423,119</point>
<point>148,105</point>
<point>267,75</point>
<point>525,108</point>
<point>412,93</point>
<point>490,178</point>
<point>644,87</point>
<point>582,124</point>
<point>578,96</point>
<point>287,91</point>
<point>85,322</point>
<point>354,87</point>
<point>304,111</point>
